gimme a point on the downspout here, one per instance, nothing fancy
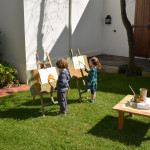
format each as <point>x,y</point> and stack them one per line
<point>70,25</point>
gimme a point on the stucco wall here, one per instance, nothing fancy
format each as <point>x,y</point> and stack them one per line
<point>87,26</point>
<point>12,27</point>
<point>43,26</point>
<point>115,43</point>
<point>47,28</point>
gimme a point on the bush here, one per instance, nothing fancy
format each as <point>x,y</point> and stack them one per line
<point>137,70</point>
<point>7,74</point>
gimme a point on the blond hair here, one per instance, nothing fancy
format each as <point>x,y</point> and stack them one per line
<point>95,61</point>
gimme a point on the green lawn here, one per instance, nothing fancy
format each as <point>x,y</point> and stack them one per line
<point>86,126</point>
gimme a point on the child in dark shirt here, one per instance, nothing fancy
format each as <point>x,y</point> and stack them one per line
<point>91,82</point>
<point>62,85</point>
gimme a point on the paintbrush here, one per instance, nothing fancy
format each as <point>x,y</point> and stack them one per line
<point>132,90</point>
<point>81,63</point>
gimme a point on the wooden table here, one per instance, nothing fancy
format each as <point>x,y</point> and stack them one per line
<point>121,108</point>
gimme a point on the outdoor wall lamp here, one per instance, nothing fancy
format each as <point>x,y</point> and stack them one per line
<point>108,19</point>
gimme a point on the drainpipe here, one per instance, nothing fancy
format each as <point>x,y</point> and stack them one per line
<point>70,25</point>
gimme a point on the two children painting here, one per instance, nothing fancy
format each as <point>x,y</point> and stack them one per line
<point>63,79</point>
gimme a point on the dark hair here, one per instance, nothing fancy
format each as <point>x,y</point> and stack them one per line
<point>95,61</point>
<point>61,63</point>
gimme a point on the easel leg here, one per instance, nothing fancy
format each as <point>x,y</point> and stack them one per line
<point>42,106</point>
<point>69,87</point>
<point>51,95</point>
<point>33,101</point>
<point>79,90</point>
<point>83,83</point>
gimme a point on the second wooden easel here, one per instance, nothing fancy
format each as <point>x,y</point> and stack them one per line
<point>77,73</point>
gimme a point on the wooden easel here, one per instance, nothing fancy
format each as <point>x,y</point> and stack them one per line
<point>77,73</point>
<point>36,88</point>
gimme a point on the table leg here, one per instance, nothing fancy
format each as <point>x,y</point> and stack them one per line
<point>121,120</point>
<point>131,115</point>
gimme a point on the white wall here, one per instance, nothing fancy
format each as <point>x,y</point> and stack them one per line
<point>87,20</point>
<point>46,30</point>
<point>12,27</point>
<point>115,43</point>
<point>46,27</point>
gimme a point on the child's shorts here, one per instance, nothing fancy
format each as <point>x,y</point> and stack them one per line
<point>93,91</point>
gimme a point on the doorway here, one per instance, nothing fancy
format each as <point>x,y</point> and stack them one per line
<point>142,28</point>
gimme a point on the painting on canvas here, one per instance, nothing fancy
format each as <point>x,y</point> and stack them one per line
<point>46,73</point>
<point>78,62</point>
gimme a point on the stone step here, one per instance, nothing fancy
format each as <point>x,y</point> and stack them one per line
<point>109,69</point>
<point>145,74</point>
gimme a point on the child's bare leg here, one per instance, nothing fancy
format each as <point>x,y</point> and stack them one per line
<point>92,96</point>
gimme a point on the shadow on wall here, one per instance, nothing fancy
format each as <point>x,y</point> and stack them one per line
<point>87,34</point>
<point>86,37</point>
<point>61,47</point>
<point>40,49</point>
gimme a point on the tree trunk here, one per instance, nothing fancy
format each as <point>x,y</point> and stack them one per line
<point>130,35</point>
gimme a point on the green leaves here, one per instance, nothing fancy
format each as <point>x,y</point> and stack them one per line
<point>7,74</point>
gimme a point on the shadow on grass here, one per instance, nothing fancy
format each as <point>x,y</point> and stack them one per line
<point>132,134</point>
<point>24,113</point>
<point>116,83</point>
<point>69,101</point>
<point>20,113</point>
<point>47,101</point>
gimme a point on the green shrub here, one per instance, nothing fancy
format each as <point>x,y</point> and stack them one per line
<point>7,74</point>
<point>137,70</point>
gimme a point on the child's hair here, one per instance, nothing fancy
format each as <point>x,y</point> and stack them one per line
<point>61,63</point>
<point>95,61</point>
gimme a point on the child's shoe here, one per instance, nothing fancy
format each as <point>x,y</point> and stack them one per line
<point>59,113</point>
<point>90,101</point>
<point>94,99</point>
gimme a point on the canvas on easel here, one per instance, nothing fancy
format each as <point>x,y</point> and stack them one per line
<point>34,81</point>
<point>44,75</point>
<point>76,73</point>
<point>78,62</point>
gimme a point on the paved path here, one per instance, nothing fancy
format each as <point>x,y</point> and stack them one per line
<point>8,91</point>
<point>118,61</point>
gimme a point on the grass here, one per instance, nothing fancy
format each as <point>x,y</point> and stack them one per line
<point>86,126</point>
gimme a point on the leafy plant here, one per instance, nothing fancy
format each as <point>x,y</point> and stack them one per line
<point>124,68</point>
<point>7,74</point>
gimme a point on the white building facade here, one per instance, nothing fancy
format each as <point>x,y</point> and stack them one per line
<point>53,26</point>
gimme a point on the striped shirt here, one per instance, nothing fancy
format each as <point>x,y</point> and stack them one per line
<point>92,78</point>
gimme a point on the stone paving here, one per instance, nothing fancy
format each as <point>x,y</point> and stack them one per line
<point>118,61</point>
<point>8,91</point>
